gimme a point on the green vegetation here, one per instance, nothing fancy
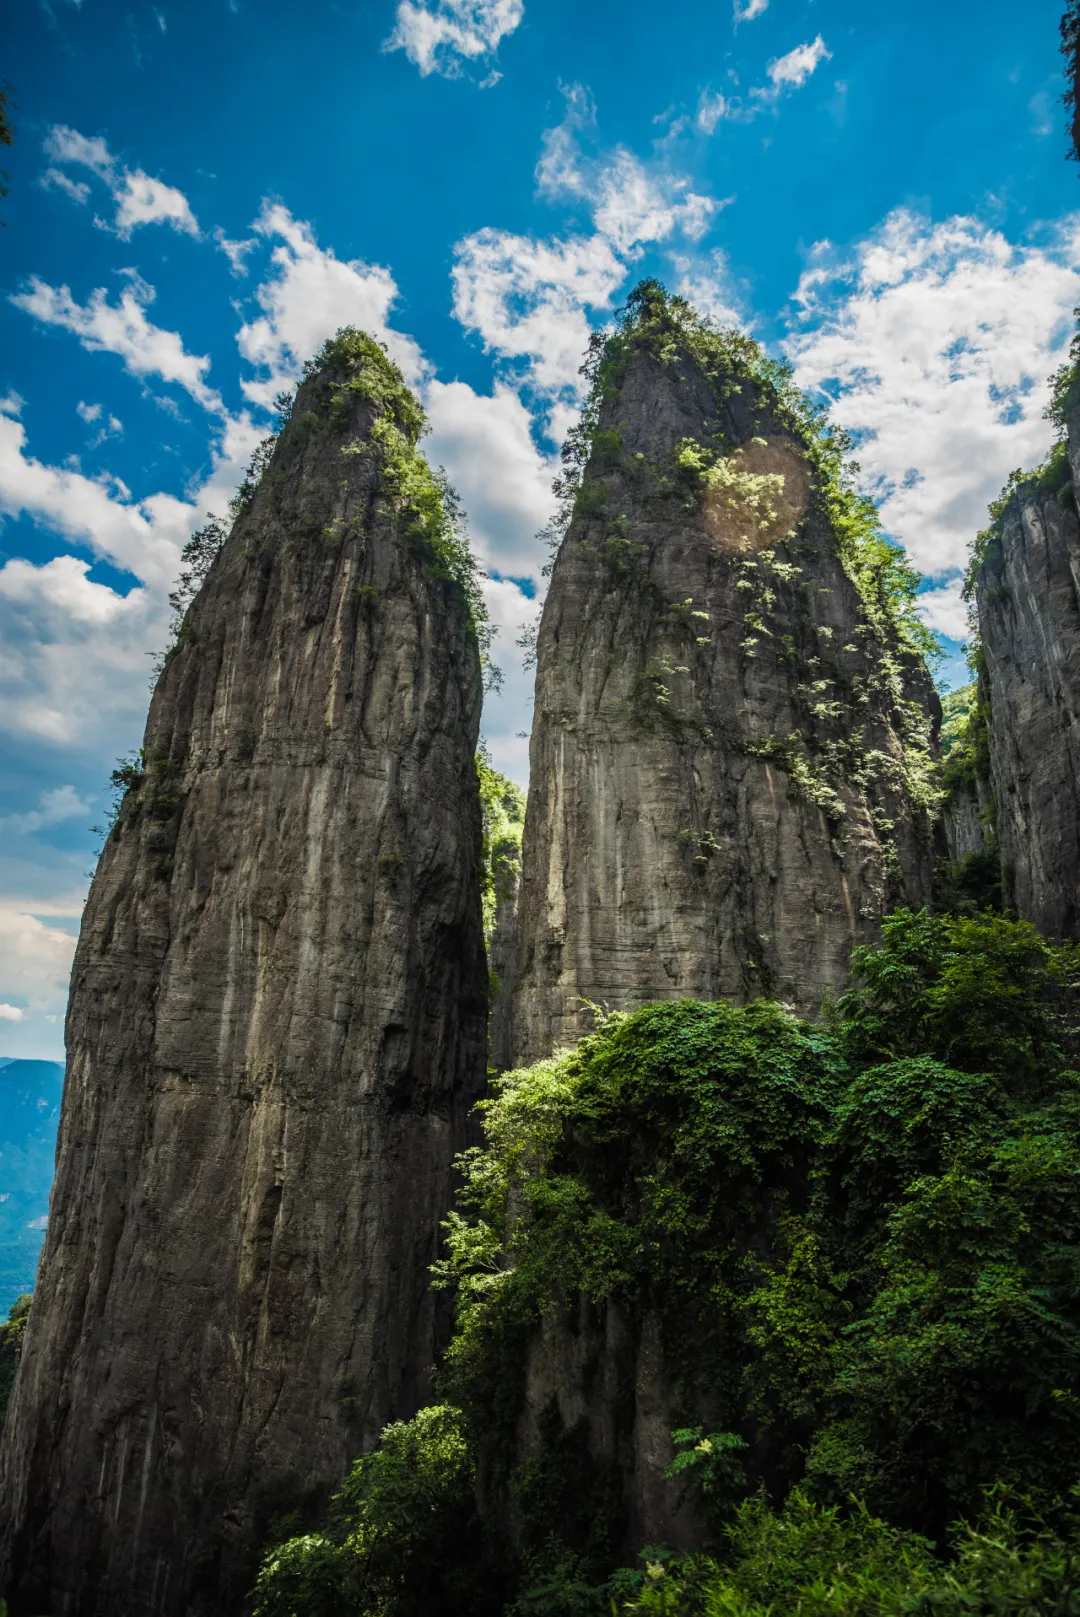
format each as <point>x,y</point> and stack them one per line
<point>11,1344</point>
<point>502,804</point>
<point>196,560</point>
<point>427,508</point>
<point>859,1243</point>
<point>823,1562</point>
<point>401,1535</point>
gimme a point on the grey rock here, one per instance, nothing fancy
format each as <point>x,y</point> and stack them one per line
<point>1027,593</point>
<point>276,1032</point>
<point>720,803</point>
<point>964,820</point>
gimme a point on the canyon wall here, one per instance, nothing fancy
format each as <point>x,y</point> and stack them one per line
<point>276,1031</point>
<point>731,761</point>
<point>1027,596</point>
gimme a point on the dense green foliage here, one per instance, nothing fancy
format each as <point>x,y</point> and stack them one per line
<point>11,1343</point>
<point>401,1533</point>
<point>861,1243</point>
<point>956,708</point>
<point>823,1562</point>
<point>502,804</point>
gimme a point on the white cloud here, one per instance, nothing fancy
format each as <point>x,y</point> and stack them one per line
<point>35,964</point>
<point>87,412</point>
<point>486,445</point>
<point>54,179</point>
<point>235,251</point>
<point>785,73</point>
<point>631,203</point>
<point>57,805</point>
<point>709,285</point>
<point>140,199</point>
<point>309,296</point>
<point>934,342</point>
<point>712,106</point>
<point>793,70</point>
<point>526,299</point>
<point>945,610</point>
<point>88,151</point>
<point>751,9</point>
<point>122,328</point>
<point>142,537</point>
<point>439,37</point>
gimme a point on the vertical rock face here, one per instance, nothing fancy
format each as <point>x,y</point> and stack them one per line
<point>1027,592</point>
<point>276,1030</point>
<point>731,752</point>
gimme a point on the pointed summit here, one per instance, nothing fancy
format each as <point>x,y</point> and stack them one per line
<point>732,746</point>
<point>276,1030</point>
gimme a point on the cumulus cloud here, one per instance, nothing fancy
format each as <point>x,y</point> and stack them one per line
<point>142,537</point>
<point>308,296</point>
<point>122,328</point>
<point>529,300</point>
<point>710,286</point>
<point>526,299</point>
<point>55,806</point>
<point>486,445</point>
<point>632,203</point>
<point>441,37</point>
<point>933,342</point>
<point>235,251</point>
<point>750,10</point>
<point>35,957</point>
<point>945,609</point>
<point>140,199</point>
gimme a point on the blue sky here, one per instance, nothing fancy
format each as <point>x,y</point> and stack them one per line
<point>200,194</point>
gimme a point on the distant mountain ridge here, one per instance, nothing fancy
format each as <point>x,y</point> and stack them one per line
<point>30,1094</point>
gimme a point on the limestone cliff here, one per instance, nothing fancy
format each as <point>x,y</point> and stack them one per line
<point>731,752</point>
<point>1026,585</point>
<point>276,1031</point>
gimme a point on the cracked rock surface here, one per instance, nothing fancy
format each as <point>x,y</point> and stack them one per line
<point>720,801</point>
<point>276,1031</point>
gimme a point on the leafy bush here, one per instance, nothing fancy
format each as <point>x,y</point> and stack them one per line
<point>828,1562</point>
<point>400,1533</point>
<point>861,1243</point>
<point>860,1238</point>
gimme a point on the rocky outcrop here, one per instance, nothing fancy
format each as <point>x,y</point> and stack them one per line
<point>731,776</point>
<point>1027,594</point>
<point>276,1030</point>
